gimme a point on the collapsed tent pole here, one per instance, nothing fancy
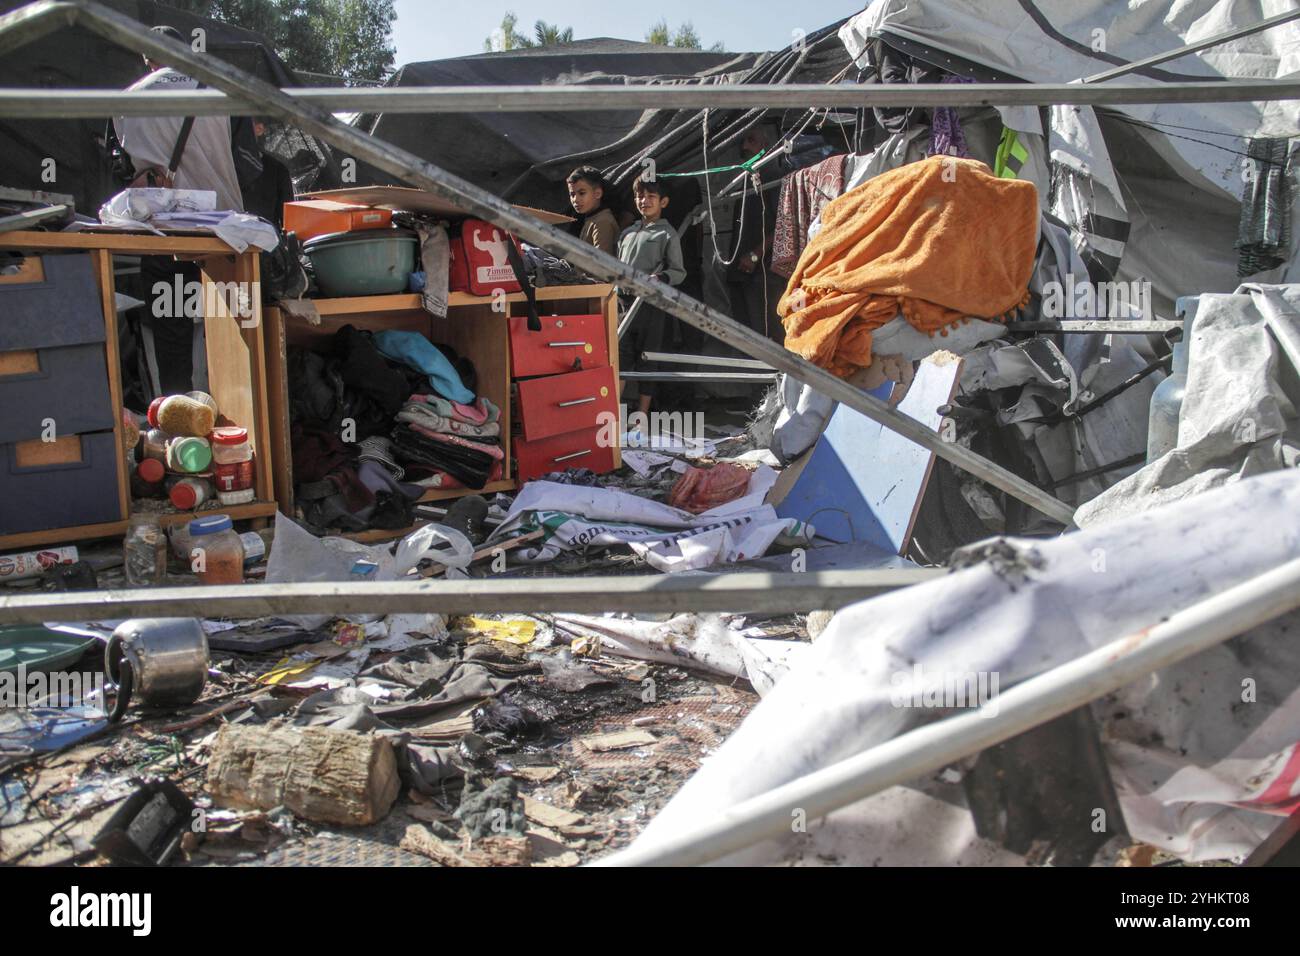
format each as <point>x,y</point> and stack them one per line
<point>755,592</point>
<point>92,103</point>
<point>1199,45</point>
<point>244,87</point>
<point>937,745</point>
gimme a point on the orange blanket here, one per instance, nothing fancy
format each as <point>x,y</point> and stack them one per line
<point>938,240</point>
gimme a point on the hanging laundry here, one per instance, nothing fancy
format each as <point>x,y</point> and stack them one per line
<point>946,136</point>
<point>937,240</point>
<point>803,194</point>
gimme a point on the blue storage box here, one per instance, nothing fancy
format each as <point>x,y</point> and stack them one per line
<point>71,481</point>
<point>52,359</point>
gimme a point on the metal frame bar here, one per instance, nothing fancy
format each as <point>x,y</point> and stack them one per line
<point>41,17</point>
<point>939,744</point>
<point>749,591</point>
<point>1100,326</point>
<point>726,361</point>
<point>92,103</point>
<point>698,376</point>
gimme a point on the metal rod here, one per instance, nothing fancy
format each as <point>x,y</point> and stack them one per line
<point>699,376</point>
<point>1284,323</point>
<point>478,202</point>
<point>1099,326</point>
<point>1101,470</point>
<point>1012,712</point>
<point>1192,47</point>
<point>41,103</point>
<point>625,322</point>
<point>726,361</point>
<point>741,591</point>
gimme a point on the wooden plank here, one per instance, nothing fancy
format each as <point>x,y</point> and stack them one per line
<point>250,270</point>
<point>131,243</point>
<point>405,302</point>
<point>232,350</point>
<point>864,482</point>
<point>103,261</point>
<point>755,593</point>
<point>609,304</point>
<point>80,532</point>
<point>277,396</point>
<point>487,551</point>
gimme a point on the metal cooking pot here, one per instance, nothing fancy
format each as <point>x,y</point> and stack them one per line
<point>161,660</point>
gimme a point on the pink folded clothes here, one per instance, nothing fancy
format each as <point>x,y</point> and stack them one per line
<point>480,413</point>
<point>493,450</point>
<point>418,413</point>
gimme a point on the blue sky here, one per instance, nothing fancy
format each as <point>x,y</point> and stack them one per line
<point>435,29</point>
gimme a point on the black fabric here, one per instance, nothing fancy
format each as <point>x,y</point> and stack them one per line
<point>267,192</point>
<point>467,465</point>
<point>316,389</point>
<point>379,389</point>
<point>521,276</point>
<point>173,337</point>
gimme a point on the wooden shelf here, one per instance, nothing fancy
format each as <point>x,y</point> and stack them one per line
<point>407,302</point>
<point>126,243</point>
<point>117,529</point>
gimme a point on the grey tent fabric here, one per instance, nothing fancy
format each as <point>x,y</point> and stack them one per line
<point>1237,420</point>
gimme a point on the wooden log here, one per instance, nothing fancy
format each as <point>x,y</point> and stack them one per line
<point>322,775</point>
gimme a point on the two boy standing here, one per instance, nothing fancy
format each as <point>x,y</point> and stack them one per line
<point>650,245</point>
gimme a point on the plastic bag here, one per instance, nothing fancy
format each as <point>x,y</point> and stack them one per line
<point>299,557</point>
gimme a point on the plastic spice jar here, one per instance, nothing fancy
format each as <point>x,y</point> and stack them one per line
<point>189,455</point>
<point>232,457</point>
<point>216,553</point>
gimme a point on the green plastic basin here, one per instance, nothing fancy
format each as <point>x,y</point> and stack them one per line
<point>365,262</point>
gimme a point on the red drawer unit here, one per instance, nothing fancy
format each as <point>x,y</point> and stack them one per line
<point>578,449</point>
<point>572,402</point>
<point>566,343</point>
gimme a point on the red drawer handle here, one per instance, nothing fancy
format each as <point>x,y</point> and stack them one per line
<point>565,345</point>
<point>576,454</point>
<point>576,401</point>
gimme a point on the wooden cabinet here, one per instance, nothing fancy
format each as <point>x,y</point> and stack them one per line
<point>494,338</point>
<point>89,463</point>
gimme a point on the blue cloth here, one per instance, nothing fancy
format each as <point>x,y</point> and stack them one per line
<point>413,349</point>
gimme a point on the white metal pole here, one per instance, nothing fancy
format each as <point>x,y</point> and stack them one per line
<point>1027,705</point>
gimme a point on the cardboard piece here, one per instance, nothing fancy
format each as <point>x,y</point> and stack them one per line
<point>415,200</point>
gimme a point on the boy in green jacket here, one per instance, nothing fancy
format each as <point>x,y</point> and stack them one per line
<point>651,245</point>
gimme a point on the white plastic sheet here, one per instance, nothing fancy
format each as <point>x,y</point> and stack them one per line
<point>1034,605</point>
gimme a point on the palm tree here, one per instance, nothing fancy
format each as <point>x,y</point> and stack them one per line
<point>550,34</point>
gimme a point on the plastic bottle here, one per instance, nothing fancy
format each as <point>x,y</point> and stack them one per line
<point>217,554</point>
<point>1167,399</point>
<point>232,458</point>
<point>188,493</point>
<point>189,455</point>
<point>147,479</point>
<point>144,552</point>
<point>182,415</point>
